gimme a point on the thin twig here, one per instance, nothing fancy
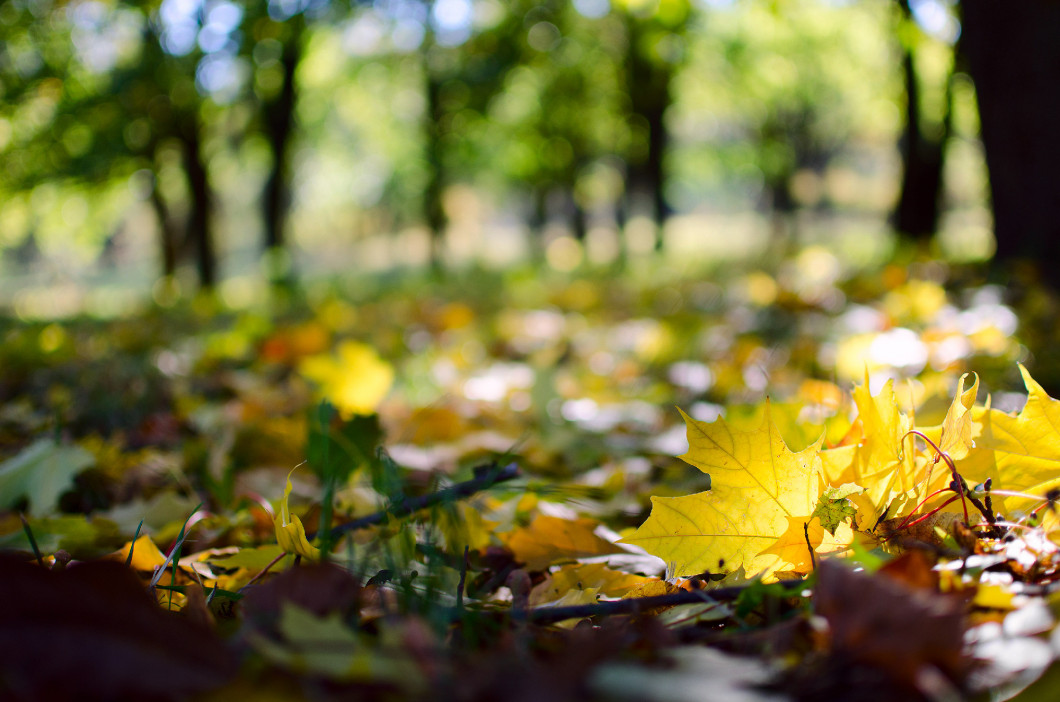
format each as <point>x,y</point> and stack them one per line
<point>264,570</point>
<point>633,605</point>
<point>485,477</point>
<point>806,534</point>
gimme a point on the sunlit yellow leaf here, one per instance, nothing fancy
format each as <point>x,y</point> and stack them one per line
<point>596,576</point>
<point>954,435</point>
<point>757,485</point>
<point>1020,453</point>
<point>355,380</point>
<point>551,540</point>
<point>879,462</point>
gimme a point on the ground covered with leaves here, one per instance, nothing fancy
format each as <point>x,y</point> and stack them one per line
<point>423,489</point>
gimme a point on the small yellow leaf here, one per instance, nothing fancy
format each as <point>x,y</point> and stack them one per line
<point>757,486</point>
<point>146,555</point>
<point>993,597</point>
<point>551,540</point>
<point>355,380</point>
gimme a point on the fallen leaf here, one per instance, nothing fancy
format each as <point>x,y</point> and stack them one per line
<point>878,621</point>
<point>877,462</point>
<point>355,379</point>
<point>290,534</point>
<point>597,576</point>
<point>758,486</point>
<point>551,540</point>
<point>41,473</point>
<point>1020,453</point>
<point>145,554</point>
<point>91,632</point>
<point>835,507</point>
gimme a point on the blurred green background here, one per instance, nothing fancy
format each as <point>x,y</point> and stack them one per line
<point>149,149</point>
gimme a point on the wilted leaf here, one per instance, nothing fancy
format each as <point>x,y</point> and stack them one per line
<point>290,534</point>
<point>757,486</point>
<point>880,622</point>
<point>41,473</point>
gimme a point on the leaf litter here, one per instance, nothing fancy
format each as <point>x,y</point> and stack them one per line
<point>492,508</point>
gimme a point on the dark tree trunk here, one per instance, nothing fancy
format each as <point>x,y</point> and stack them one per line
<point>168,235</point>
<point>649,89</point>
<point>1013,52</point>
<point>917,212</point>
<point>279,114</point>
<point>434,212</point>
<point>200,221</point>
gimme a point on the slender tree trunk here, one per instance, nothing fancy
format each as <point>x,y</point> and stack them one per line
<point>1013,51</point>
<point>649,88</point>
<point>168,235</point>
<point>434,212</point>
<point>280,123</point>
<point>200,220</point>
<point>918,209</point>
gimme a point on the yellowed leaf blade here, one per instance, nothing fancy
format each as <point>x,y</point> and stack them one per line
<point>954,435</point>
<point>757,483</point>
<point>1021,453</point>
<point>551,540</point>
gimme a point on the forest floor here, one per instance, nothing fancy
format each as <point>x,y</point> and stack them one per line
<point>473,490</point>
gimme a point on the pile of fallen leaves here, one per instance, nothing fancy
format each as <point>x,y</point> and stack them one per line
<point>446,496</point>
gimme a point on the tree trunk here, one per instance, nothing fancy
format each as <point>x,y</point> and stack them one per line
<point>434,212</point>
<point>917,212</point>
<point>200,221</point>
<point>648,84</point>
<point>279,123</point>
<point>1013,51</point>
<point>169,238</point>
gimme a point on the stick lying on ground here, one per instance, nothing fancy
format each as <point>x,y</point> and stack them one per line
<point>633,605</point>
<point>485,477</point>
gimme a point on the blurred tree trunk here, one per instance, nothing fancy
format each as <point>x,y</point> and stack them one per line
<point>434,211</point>
<point>200,219</point>
<point>917,211</point>
<point>279,118</point>
<point>1013,52</point>
<point>168,234</point>
<point>649,82</point>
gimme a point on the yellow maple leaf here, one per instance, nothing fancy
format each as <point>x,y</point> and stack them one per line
<point>757,486</point>
<point>290,534</point>
<point>879,462</point>
<point>584,576</point>
<point>355,379</point>
<point>551,540</point>
<point>954,435</point>
<point>1019,452</point>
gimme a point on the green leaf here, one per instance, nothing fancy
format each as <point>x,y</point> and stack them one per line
<point>833,508</point>
<point>41,473</point>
